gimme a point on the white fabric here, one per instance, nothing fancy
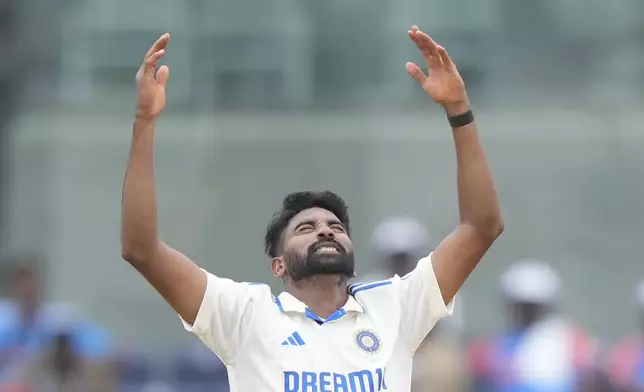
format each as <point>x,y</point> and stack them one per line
<point>455,324</point>
<point>531,281</point>
<point>545,356</point>
<point>256,335</point>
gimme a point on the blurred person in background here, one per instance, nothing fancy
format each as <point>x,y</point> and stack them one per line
<point>320,330</point>
<point>61,367</point>
<point>22,331</point>
<point>541,351</point>
<point>397,244</point>
<point>440,363</point>
<point>625,367</point>
<point>26,323</point>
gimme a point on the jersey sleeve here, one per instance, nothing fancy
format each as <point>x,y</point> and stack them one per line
<point>421,302</point>
<point>225,316</point>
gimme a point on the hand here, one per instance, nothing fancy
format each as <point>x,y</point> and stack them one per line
<point>150,83</point>
<point>444,84</point>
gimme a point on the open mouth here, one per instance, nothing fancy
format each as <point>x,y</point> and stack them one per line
<point>328,248</point>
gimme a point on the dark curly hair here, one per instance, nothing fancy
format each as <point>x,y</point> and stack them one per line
<point>293,204</point>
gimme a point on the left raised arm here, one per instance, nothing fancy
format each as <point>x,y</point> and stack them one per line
<point>480,216</point>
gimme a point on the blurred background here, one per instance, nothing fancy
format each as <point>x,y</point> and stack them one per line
<point>268,97</point>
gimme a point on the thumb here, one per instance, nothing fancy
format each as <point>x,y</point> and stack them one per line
<point>415,72</point>
<point>163,74</point>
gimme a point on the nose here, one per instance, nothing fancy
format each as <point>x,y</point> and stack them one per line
<point>325,232</point>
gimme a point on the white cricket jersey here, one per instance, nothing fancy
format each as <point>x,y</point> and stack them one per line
<point>276,344</point>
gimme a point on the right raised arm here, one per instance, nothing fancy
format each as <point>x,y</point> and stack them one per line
<point>181,282</point>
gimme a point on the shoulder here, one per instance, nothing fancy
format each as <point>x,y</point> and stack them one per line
<point>582,337</point>
<point>256,287</point>
<point>380,297</point>
<point>220,286</point>
<point>257,292</point>
<point>370,287</point>
<point>626,347</point>
<point>585,346</point>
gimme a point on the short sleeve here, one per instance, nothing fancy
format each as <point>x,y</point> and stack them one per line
<point>225,316</point>
<point>422,304</point>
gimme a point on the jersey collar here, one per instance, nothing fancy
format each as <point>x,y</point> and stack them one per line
<point>288,303</point>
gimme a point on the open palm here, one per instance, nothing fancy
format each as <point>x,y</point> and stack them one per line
<point>151,83</point>
<point>443,82</point>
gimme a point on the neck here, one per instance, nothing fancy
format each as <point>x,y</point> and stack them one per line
<point>323,294</point>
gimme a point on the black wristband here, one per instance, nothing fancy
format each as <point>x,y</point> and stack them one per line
<point>461,120</point>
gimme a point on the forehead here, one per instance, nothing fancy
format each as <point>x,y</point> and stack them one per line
<point>315,214</point>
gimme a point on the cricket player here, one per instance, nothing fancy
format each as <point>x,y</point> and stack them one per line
<point>321,334</point>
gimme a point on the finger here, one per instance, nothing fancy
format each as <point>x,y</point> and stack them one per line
<point>415,72</point>
<point>163,74</point>
<point>429,48</point>
<point>429,56</point>
<point>434,62</point>
<point>150,63</point>
<point>447,61</point>
<point>412,36</point>
<point>161,43</point>
<point>412,33</point>
<point>425,42</point>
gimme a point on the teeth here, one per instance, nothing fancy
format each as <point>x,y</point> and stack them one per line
<point>326,249</point>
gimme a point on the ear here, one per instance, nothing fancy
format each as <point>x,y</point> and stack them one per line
<point>278,267</point>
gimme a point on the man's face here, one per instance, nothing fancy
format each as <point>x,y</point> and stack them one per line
<point>525,314</point>
<point>316,243</point>
<point>400,263</point>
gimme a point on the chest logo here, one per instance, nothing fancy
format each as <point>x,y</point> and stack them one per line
<point>368,341</point>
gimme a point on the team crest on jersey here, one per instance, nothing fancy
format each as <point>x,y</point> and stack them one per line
<point>368,340</point>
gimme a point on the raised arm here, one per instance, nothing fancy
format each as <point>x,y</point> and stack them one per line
<point>480,217</point>
<point>181,282</point>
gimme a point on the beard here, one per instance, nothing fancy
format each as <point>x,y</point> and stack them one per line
<point>304,266</point>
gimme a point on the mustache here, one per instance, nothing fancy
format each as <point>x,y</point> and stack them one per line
<point>326,242</point>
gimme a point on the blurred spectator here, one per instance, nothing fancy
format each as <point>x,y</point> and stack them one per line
<point>197,369</point>
<point>21,333</point>
<point>397,244</point>
<point>136,370</point>
<point>440,363</point>
<point>29,327</point>
<point>626,360</point>
<point>541,351</point>
<point>160,386</point>
<point>61,367</point>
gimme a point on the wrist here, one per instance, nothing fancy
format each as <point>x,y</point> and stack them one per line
<point>144,118</point>
<point>456,108</point>
<point>143,124</point>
